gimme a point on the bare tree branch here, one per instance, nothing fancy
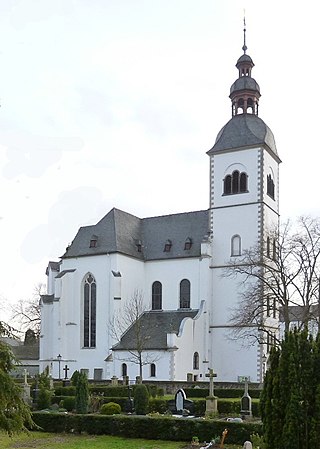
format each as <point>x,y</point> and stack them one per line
<point>281,272</point>
<point>27,312</point>
<point>130,319</point>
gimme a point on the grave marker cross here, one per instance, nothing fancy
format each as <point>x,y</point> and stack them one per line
<point>211,375</point>
<point>66,369</point>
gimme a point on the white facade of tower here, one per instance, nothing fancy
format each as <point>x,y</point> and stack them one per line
<point>246,217</point>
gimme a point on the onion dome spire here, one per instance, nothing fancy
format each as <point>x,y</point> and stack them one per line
<point>245,91</point>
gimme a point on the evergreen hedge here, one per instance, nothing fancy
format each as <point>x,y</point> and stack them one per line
<point>220,392</point>
<point>225,407</point>
<point>141,400</point>
<point>155,391</point>
<point>164,428</point>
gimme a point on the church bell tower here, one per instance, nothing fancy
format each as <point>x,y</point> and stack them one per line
<point>244,204</point>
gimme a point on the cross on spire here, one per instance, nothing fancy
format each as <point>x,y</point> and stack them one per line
<point>244,48</point>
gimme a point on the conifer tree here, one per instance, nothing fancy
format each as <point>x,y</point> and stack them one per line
<point>315,404</point>
<point>291,435</point>
<point>290,400</point>
<point>269,401</point>
<point>14,413</point>
<point>82,394</point>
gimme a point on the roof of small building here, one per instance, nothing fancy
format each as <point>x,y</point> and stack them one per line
<point>155,326</point>
<point>244,130</point>
<point>21,350</point>
<point>144,238</point>
<point>53,266</point>
<point>299,313</point>
<point>26,352</point>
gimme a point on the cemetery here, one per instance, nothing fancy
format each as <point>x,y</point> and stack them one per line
<point>195,415</point>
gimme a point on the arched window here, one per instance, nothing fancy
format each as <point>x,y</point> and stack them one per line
<point>196,360</point>
<point>236,245</point>
<point>243,182</point>
<point>124,370</point>
<point>185,294</point>
<point>156,295</point>
<point>270,186</point>
<point>153,370</point>
<point>274,249</point>
<point>268,246</point>
<point>250,106</point>
<point>235,183</point>
<point>227,185</point>
<point>89,312</point>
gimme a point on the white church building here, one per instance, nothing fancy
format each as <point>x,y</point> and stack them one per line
<point>175,263</point>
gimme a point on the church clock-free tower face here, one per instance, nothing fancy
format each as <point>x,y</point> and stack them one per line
<point>244,204</point>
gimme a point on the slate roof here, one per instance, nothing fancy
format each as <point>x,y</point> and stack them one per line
<point>245,83</point>
<point>55,266</point>
<point>122,232</point>
<point>244,130</point>
<point>47,299</point>
<point>156,325</point>
<point>22,351</point>
<point>298,313</point>
<point>26,352</point>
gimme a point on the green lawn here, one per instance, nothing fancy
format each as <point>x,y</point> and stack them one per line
<point>42,440</point>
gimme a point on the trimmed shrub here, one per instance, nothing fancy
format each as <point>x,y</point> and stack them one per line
<point>111,408</point>
<point>44,397</point>
<point>164,428</point>
<point>74,378</point>
<point>109,391</point>
<point>157,405</point>
<point>65,391</point>
<point>141,399</point>
<point>152,390</point>
<point>68,402</point>
<point>82,394</point>
<point>220,392</point>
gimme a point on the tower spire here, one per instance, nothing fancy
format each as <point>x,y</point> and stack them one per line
<point>245,91</point>
<point>244,48</point>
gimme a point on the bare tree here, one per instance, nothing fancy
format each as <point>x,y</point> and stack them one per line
<point>278,276</point>
<point>132,330</point>
<point>27,312</point>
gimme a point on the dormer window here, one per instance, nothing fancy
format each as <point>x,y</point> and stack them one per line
<point>188,244</point>
<point>93,241</point>
<point>139,246</point>
<point>167,246</point>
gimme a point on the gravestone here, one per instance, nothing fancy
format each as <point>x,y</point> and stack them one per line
<point>247,445</point>
<point>180,405</point>
<point>114,381</point>
<point>180,400</point>
<point>26,396</point>
<point>246,403</point>
<point>211,400</point>
<point>129,405</point>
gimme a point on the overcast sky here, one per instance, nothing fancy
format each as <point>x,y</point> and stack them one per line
<point>114,103</point>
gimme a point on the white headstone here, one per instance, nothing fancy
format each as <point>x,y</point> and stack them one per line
<point>180,398</point>
<point>247,445</point>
